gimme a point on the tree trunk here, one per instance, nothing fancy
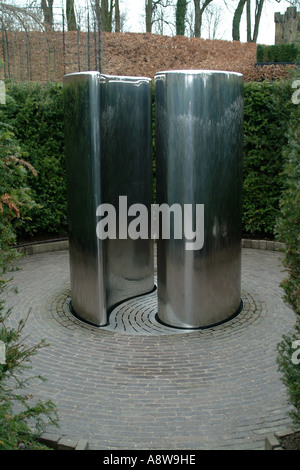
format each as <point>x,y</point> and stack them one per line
<point>199,10</point>
<point>258,11</point>
<point>104,10</point>
<point>47,7</point>
<point>149,11</point>
<point>71,17</point>
<point>198,19</point>
<point>117,17</point>
<point>181,9</point>
<point>236,20</point>
<point>248,20</point>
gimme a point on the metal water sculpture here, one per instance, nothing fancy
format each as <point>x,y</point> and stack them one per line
<point>199,131</point>
<point>108,140</point>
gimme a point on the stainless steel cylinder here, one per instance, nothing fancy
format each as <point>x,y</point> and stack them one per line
<point>108,142</point>
<point>199,133</point>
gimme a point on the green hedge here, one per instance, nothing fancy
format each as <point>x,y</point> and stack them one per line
<point>288,222</point>
<point>287,228</point>
<point>266,116</point>
<point>277,53</point>
<point>35,112</point>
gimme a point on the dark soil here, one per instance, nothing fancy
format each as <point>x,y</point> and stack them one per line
<point>40,238</point>
<point>290,442</point>
<point>262,236</point>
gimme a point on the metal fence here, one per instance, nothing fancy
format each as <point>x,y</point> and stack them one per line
<point>32,51</point>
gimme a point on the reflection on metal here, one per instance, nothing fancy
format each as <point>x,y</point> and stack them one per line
<point>108,154</point>
<point>199,121</point>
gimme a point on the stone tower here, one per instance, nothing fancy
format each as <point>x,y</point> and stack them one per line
<point>287,26</point>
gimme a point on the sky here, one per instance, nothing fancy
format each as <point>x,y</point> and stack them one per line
<point>135,21</point>
<point>135,17</point>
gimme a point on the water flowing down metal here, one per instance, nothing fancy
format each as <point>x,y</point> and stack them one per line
<point>108,154</point>
<point>199,132</point>
<point>197,217</point>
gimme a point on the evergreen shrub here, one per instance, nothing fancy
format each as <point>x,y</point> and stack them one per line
<point>36,113</point>
<point>277,53</point>
<point>267,108</point>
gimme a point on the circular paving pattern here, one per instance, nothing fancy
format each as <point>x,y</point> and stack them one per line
<point>137,384</point>
<point>138,316</point>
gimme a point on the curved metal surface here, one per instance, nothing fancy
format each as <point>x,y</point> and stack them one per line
<point>199,131</point>
<point>108,154</point>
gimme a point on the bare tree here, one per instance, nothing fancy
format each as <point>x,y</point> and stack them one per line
<point>190,22</point>
<point>200,7</point>
<point>13,17</point>
<point>237,19</point>
<point>213,18</point>
<point>104,14</point>
<point>293,3</point>
<point>117,17</point>
<point>248,10</point>
<point>149,8</point>
<point>71,16</point>
<point>258,11</point>
<point>155,13</point>
<point>47,7</point>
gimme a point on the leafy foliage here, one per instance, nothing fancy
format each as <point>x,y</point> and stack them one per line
<point>18,411</point>
<point>15,197</point>
<point>277,53</point>
<point>291,371</point>
<point>36,113</point>
<point>266,115</point>
<point>181,11</point>
<point>288,223</point>
<point>287,229</point>
<point>15,193</point>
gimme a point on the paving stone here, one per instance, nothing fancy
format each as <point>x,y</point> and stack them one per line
<point>82,444</point>
<point>255,244</point>
<point>262,244</point>
<point>66,443</point>
<point>50,440</point>
<point>163,389</point>
<point>271,442</point>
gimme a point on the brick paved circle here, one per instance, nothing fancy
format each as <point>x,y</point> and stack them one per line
<point>217,388</point>
<point>138,316</point>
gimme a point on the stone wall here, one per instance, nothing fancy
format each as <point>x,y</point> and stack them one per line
<point>287,26</point>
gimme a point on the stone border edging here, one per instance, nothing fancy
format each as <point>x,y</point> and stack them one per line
<point>263,245</point>
<point>272,440</point>
<point>62,442</point>
<point>64,245</point>
<point>47,247</point>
